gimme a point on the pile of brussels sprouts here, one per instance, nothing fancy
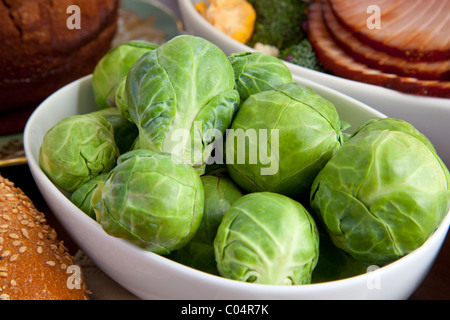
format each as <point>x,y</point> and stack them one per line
<point>225,164</point>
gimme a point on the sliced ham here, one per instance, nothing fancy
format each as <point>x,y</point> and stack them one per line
<point>417,30</point>
<point>436,70</point>
<point>335,59</point>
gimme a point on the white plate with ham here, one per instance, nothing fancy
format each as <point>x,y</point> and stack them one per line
<point>375,66</point>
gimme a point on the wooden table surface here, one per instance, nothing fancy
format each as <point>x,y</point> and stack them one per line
<point>436,286</point>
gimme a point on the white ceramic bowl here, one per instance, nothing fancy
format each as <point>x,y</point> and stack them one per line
<point>151,276</point>
<point>429,115</point>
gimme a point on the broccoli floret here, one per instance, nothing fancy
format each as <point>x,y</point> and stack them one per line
<point>302,54</point>
<point>278,22</point>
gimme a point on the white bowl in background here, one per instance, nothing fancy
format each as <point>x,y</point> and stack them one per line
<point>429,115</point>
<point>151,276</point>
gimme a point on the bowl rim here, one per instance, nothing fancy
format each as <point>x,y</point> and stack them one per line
<point>187,271</point>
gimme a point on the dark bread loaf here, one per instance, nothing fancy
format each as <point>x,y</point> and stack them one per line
<point>40,51</point>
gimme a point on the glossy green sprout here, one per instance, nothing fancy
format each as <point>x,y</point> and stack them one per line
<point>113,68</point>
<point>182,97</point>
<point>256,72</point>
<point>267,238</point>
<point>77,149</point>
<point>291,132</point>
<point>383,192</point>
<point>151,200</point>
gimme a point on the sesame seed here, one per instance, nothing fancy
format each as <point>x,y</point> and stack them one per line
<point>13,257</point>
<point>13,283</point>
<point>22,249</point>
<point>3,274</point>
<point>52,235</point>
<point>4,296</point>
<point>6,217</point>
<point>13,236</point>
<point>51,263</point>
<point>39,249</point>
<point>16,243</point>
<point>6,253</point>
<point>25,233</point>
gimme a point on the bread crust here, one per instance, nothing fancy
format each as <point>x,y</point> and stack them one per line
<point>34,263</point>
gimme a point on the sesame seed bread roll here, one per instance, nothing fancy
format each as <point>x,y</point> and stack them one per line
<point>34,264</point>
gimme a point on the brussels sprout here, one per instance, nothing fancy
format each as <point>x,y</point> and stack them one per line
<point>83,195</point>
<point>113,68</point>
<point>393,124</point>
<point>291,132</point>
<point>77,149</point>
<point>179,95</point>
<point>125,131</point>
<point>382,193</point>
<point>150,200</point>
<point>256,72</point>
<point>220,193</point>
<point>267,238</point>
